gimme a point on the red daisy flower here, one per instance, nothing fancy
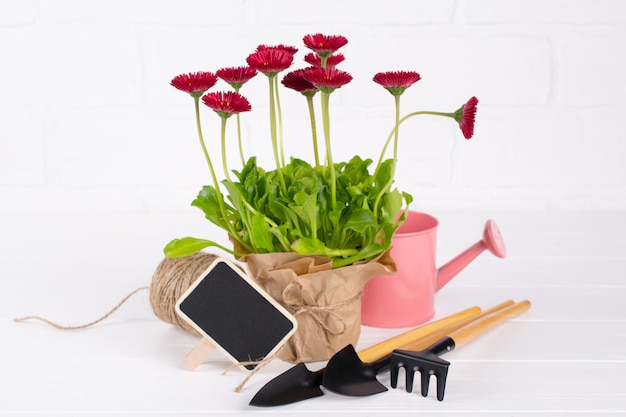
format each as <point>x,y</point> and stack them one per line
<point>324,44</point>
<point>331,62</point>
<point>466,116</point>
<point>396,81</point>
<point>326,79</point>
<point>270,61</point>
<point>290,49</point>
<point>194,83</point>
<point>227,103</point>
<point>236,76</point>
<point>295,80</point>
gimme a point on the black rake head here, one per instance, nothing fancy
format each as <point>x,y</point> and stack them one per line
<point>427,364</point>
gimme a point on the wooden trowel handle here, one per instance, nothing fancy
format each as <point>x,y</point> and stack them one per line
<point>427,341</point>
<point>473,330</point>
<point>384,348</point>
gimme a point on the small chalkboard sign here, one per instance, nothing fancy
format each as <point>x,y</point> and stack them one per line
<point>235,314</point>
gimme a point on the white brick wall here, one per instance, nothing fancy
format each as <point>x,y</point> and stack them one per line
<point>88,119</point>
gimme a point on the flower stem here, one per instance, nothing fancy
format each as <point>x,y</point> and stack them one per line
<point>223,135</point>
<point>220,198</point>
<point>329,155</point>
<point>309,101</point>
<point>273,135</point>
<point>280,123</point>
<point>397,126</point>
<point>387,186</point>
<point>243,159</point>
<point>395,139</point>
<point>196,101</point>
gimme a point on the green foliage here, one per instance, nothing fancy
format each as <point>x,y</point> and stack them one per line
<point>265,219</point>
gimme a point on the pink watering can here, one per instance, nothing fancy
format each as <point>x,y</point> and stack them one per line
<point>407,298</point>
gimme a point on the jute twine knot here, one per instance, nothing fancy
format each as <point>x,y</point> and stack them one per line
<point>296,305</point>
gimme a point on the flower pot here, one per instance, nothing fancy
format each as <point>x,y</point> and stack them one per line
<point>326,302</point>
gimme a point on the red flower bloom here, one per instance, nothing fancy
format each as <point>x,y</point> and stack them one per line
<point>270,61</point>
<point>396,81</point>
<point>466,116</point>
<point>194,83</point>
<point>290,49</point>
<point>326,79</point>
<point>236,76</point>
<point>227,103</point>
<point>295,80</point>
<point>331,62</point>
<point>324,44</point>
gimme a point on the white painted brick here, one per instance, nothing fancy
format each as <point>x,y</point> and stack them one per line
<point>544,11</point>
<point>85,88</point>
<point>17,12</point>
<point>54,198</point>
<point>181,12</point>
<point>554,149</point>
<point>70,68</point>
<point>122,148</point>
<point>498,70</point>
<point>367,12</point>
<point>168,56</point>
<point>21,151</point>
<point>592,68</point>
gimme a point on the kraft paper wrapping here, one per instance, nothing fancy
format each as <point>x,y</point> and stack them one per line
<point>326,302</point>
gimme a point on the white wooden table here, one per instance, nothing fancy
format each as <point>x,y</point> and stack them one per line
<point>566,355</point>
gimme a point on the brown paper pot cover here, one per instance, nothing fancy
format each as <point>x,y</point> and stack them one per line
<point>326,302</point>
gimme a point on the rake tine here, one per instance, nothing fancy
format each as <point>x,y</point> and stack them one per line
<point>409,375</point>
<point>425,382</point>
<point>441,385</point>
<point>393,374</point>
<point>429,365</point>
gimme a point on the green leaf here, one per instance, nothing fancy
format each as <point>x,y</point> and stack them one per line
<point>384,174</point>
<point>260,234</point>
<point>305,208</point>
<point>208,201</point>
<point>392,203</point>
<point>186,246</point>
<point>360,220</point>
<point>311,246</point>
<point>367,253</point>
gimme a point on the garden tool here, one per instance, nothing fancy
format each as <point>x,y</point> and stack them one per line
<point>299,383</point>
<point>347,374</point>
<point>427,362</point>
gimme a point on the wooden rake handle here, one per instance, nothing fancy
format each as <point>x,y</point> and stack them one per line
<point>468,333</point>
<point>384,348</point>
<point>421,344</point>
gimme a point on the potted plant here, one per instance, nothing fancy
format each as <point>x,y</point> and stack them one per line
<point>311,232</point>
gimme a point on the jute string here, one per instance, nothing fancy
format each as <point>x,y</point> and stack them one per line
<point>296,306</point>
<point>173,276</point>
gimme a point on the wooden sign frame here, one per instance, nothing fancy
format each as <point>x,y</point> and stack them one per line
<point>235,315</point>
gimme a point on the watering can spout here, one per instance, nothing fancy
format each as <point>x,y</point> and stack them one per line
<point>492,241</point>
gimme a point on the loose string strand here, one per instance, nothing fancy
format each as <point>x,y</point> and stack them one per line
<point>82,326</point>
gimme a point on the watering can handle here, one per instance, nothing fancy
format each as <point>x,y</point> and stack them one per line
<point>468,333</point>
<point>384,348</point>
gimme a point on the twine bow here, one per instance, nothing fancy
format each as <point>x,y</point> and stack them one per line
<point>296,305</point>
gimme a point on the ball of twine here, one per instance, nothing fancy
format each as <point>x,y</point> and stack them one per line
<point>172,277</point>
